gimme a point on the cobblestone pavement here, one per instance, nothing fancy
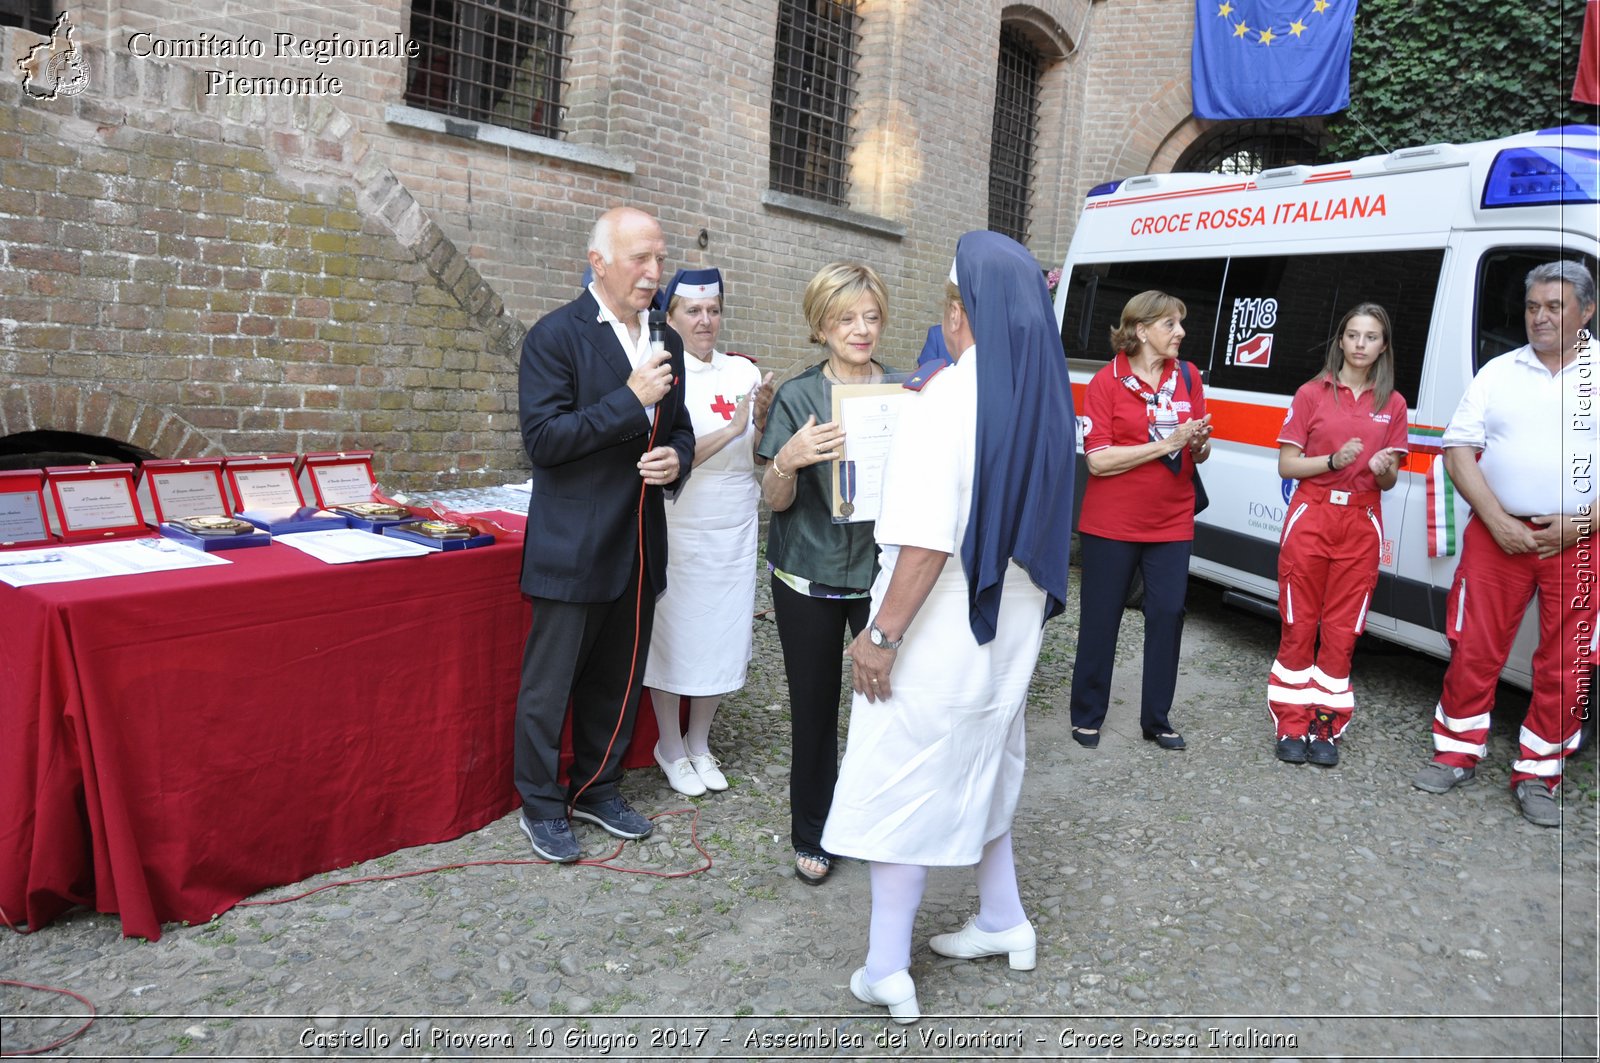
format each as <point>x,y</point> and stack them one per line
<point>1205,904</point>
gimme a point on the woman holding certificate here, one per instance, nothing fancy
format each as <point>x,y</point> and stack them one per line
<point>821,571</point>
<point>977,494</point>
<point>701,642</point>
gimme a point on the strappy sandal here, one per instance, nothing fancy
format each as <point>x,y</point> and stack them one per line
<point>806,856</point>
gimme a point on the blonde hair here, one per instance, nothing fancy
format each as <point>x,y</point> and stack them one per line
<point>1146,308</point>
<point>952,295</point>
<point>837,287</point>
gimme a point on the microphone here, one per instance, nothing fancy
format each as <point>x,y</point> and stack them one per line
<point>658,330</point>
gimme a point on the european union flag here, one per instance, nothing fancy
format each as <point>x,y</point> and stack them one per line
<point>1272,58</point>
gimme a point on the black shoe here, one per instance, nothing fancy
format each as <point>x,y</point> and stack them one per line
<point>1322,752</point>
<point>616,816</point>
<point>1166,739</point>
<point>552,838</point>
<point>1086,739</point>
<point>1292,750</point>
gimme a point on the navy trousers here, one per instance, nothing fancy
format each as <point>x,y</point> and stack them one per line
<point>1108,566</point>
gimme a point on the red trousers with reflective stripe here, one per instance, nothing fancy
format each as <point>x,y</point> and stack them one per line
<point>1487,600</point>
<point>1327,568</point>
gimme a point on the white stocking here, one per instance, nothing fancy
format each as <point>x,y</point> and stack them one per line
<point>999,904</point>
<point>701,710</point>
<point>667,722</point>
<point>896,895</point>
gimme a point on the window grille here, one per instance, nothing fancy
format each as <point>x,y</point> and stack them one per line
<point>813,98</point>
<point>1016,129</point>
<point>1250,147</point>
<point>501,62</point>
<point>35,15</point>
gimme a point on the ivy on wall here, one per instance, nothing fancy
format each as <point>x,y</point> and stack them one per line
<point>1428,71</point>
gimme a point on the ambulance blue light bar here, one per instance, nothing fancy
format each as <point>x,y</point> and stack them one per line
<point>1527,176</point>
<point>1105,189</point>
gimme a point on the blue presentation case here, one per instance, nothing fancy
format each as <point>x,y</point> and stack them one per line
<point>289,521</point>
<point>445,545</point>
<point>215,542</point>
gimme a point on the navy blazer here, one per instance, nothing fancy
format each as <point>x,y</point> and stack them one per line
<point>585,431</point>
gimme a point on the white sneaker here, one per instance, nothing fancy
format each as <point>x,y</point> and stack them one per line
<point>897,992</point>
<point>705,766</point>
<point>681,774</point>
<point>1019,944</point>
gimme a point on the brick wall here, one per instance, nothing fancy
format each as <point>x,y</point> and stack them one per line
<point>265,273</point>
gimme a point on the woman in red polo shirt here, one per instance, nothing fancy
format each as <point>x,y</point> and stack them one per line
<point>1145,427</point>
<point>1342,439</point>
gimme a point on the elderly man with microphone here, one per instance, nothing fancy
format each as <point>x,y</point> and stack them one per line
<point>604,424</point>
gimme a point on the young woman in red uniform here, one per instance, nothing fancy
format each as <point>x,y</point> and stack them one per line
<point>1343,439</point>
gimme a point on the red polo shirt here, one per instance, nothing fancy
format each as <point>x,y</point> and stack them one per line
<point>1324,415</point>
<point>1146,504</point>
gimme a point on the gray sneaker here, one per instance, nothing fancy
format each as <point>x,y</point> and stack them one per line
<point>1439,778</point>
<point>1538,803</point>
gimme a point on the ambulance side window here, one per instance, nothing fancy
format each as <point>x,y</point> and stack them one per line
<point>1097,293</point>
<point>1278,314</point>
<point>1499,325</point>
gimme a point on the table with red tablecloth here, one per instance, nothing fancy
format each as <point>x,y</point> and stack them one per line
<point>173,742</point>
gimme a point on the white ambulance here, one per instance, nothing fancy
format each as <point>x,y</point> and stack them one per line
<point>1441,236</point>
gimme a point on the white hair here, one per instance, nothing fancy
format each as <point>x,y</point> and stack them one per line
<point>601,238</point>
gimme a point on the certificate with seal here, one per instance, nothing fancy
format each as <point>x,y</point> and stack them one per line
<point>177,492</point>
<point>96,501</point>
<point>868,414</point>
<point>339,478</point>
<point>23,519</point>
<point>266,488</point>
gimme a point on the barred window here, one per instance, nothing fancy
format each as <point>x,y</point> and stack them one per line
<point>1248,147</point>
<point>813,98</point>
<point>501,62</point>
<point>32,15</point>
<point>1015,132</point>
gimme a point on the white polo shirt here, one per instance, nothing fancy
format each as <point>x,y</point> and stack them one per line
<point>636,352</point>
<point>1537,430</point>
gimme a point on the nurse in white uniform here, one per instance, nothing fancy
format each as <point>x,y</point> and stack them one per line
<point>701,642</point>
<point>974,522</point>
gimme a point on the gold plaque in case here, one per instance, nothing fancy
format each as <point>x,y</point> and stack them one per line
<point>438,529</point>
<point>373,510</point>
<point>214,525</point>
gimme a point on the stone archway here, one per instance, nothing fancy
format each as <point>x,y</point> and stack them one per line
<point>69,407</point>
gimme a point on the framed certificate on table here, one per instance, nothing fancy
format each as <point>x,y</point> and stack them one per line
<point>23,519</point>
<point>264,482</point>
<point>868,414</point>
<point>338,479</point>
<point>96,501</point>
<point>183,488</point>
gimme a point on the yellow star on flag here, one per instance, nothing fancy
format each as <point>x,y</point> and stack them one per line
<point>1267,36</point>
<point>1225,10</point>
<point>1240,30</point>
<point>1297,27</point>
<point>1322,7</point>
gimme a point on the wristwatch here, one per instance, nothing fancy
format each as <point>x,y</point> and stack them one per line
<point>880,640</point>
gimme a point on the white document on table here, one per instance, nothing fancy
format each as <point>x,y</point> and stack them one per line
<point>125,557</point>
<point>868,422</point>
<point>344,546</point>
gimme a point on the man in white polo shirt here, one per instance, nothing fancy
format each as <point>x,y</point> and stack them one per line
<point>1521,450</point>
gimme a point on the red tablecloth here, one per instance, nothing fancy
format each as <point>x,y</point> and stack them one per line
<point>172,743</point>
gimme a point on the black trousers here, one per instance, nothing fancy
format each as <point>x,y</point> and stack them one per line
<point>1108,566</point>
<point>812,633</point>
<point>593,655</point>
